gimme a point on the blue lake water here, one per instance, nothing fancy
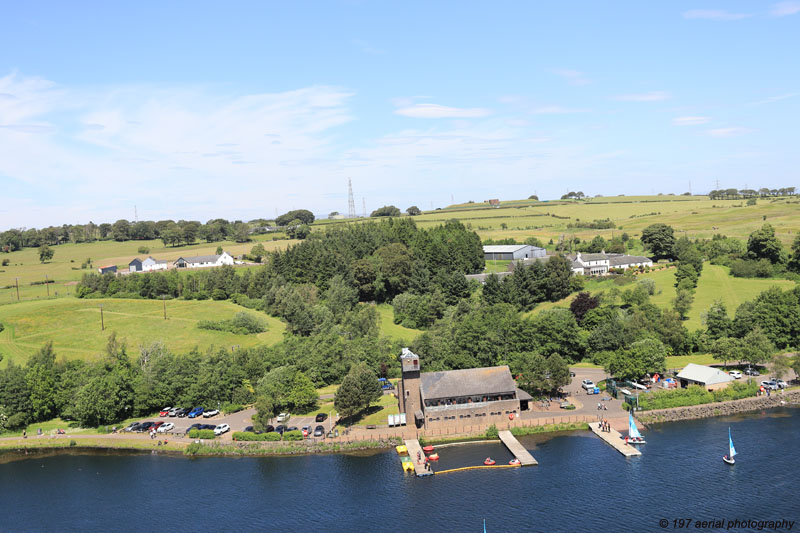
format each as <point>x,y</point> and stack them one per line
<point>581,484</point>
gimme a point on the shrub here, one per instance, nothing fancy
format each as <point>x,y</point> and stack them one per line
<point>491,432</point>
<point>242,324</point>
<point>292,435</point>
<point>748,268</point>
<point>6,261</point>
<point>144,250</point>
<point>201,434</point>
<point>72,443</point>
<point>272,436</point>
<point>229,408</point>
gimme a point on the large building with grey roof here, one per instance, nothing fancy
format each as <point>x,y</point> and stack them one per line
<point>512,252</point>
<point>458,397</point>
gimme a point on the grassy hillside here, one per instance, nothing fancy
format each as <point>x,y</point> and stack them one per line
<point>390,329</point>
<point>74,326</point>
<point>66,264</point>
<point>715,284</point>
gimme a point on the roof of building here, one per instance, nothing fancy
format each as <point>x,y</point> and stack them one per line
<point>704,374</point>
<point>408,354</point>
<point>134,260</point>
<point>200,259</point>
<point>467,382</point>
<point>622,259</point>
<point>157,261</point>
<point>522,395</point>
<point>593,257</point>
<point>504,248</point>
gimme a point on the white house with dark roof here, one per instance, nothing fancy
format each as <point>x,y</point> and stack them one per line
<point>600,264</point>
<point>147,265</point>
<point>204,261</point>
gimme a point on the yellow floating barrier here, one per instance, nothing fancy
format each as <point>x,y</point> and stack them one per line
<point>402,449</point>
<point>474,468</point>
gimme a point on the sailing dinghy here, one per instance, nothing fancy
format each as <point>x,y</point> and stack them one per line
<point>729,458</point>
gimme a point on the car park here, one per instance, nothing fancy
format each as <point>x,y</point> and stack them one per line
<point>321,417</point>
<point>587,384</point>
<point>222,428</point>
<point>283,417</point>
<point>166,428</point>
<point>183,412</point>
<point>772,385</point>
<point>209,414</point>
<point>319,431</point>
<point>735,374</point>
<point>197,411</point>
<point>165,411</point>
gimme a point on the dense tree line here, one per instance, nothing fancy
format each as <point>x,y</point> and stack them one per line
<point>736,194</point>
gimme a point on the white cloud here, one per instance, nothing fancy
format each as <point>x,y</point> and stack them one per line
<point>653,96</point>
<point>440,111</point>
<point>690,121</point>
<point>735,131</point>
<point>557,110</point>
<point>781,9</point>
<point>573,76</point>
<point>714,14</point>
<point>775,98</point>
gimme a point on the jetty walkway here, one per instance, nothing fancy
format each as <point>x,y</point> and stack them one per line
<point>615,440</point>
<point>523,455</point>
<point>414,451</point>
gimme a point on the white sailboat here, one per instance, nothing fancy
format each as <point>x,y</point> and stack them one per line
<point>634,437</point>
<point>729,458</point>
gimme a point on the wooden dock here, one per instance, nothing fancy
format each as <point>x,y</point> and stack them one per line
<point>523,456</point>
<point>414,451</point>
<point>615,440</point>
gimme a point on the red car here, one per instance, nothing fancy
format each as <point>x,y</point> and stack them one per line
<point>157,425</point>
<point>164,411</point>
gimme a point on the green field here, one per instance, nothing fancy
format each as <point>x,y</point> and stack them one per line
<point>715,284</point>
<point>390,329</point>
<point>65,268</point>
<point>74,326</point>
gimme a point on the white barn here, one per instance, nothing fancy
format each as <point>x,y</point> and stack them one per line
<point>512,252</point>
<point>203,261</point>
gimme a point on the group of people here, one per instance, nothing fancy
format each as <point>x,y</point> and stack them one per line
<point>602,406</point>
<point>605,426</point>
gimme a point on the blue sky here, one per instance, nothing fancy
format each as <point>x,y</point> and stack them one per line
<point>200,110</point>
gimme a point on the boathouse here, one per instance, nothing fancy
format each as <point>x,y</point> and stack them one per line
<point>705,376</point>
<point>458,398</point>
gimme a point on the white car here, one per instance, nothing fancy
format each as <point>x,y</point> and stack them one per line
<point>209,414</point>
<point>587,384</point>
<point>164,428</point>
<point>283,417</point>
<point>781,383</point>
<point>219,430</point>
<point>735,374</point>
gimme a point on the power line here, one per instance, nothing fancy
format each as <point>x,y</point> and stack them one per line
<point>351,204</point>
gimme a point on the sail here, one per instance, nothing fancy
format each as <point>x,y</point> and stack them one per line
<point>730,443</point>
<point>633,432</point>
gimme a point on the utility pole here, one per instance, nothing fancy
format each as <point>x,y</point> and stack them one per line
<point>164,298</point>
<point>47,284</point>
<point>16,281</point>
<point>102,323</point>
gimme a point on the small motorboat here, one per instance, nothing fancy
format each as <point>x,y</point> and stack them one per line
<point>433,457</point>
<point>489,461</point>
<point>514,461</point>
<point>427,449</point>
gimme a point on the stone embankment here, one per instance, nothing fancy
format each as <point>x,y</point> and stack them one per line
<point>721,408</point>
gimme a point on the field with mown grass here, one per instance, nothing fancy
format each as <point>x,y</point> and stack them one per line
<point>715,284</point>
<point>390,329</point>
<point>65,267</point>
<point>74,326</point>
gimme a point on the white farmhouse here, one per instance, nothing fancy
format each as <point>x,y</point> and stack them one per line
<point>202,261</point>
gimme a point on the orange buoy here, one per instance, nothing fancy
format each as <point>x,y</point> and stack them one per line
<point>514,461</point>
<point>489,461</point>
<point>427,448</point>
<point>433,457</point>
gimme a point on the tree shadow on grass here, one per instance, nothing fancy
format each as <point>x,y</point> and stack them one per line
<point>358,417</point>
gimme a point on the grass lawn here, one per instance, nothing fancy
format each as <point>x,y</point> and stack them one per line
<point>392,330</point>
<point>74,326</point>
<point>379,411</point>
<point>680,361</point>
<point>497,265</point>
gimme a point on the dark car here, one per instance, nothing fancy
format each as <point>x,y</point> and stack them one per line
<point>269,428</point>
<point>293,428</point>
<point>280,429</point>
<point>319,431</point>
<point>183,412</point>
<point>321,417</point>
<point>751,372</point>
<point>249,429</point>
<point>194,426</point>
<point>208,426</point>
<point>144,426</point>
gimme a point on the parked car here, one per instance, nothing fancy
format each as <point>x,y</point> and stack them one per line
<point>208,426</point>
<point>587,384</point>
<point>268,429</point>
<point>209,414</point>
<point>772,385</point>
<point>197,411</point>
<point>144,426</point>
<point>165,411</point>
<point>306,431</point>
<point>133,426</point>
<point>781,383</point>
<point>165,428</point>
<point>193,426</point>
<point>321,417</point>
<point>174,411</point>
<point>751,372</point>
<point>280,429</point>
<point>183,412</point>
<point>249,429</point>
<point>157,425</point>
<point>735,374</point>
<point>222,428</point>
<point>319,431</point>
<point>283,417</point>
